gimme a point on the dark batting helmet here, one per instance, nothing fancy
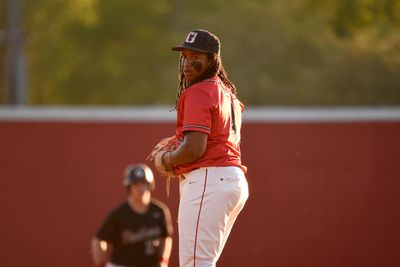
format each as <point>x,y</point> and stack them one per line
<point>138,173</point>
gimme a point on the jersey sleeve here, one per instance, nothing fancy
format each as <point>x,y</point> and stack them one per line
<point>166,224</point>
<point>168,228</point>
<point>108,228</point>
<point>197,110</point>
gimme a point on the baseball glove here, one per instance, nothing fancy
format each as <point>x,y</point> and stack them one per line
<point>166,144</point>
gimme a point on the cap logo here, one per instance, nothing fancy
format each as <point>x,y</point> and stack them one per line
<point>191,37</point>
<point>139,173</point>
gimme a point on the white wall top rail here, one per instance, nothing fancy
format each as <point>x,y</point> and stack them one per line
<point>148,114</point>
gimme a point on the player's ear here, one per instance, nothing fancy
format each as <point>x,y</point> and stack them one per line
<point>212,60</point>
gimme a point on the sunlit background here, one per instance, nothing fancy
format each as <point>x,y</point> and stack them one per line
<point>278,53</point>
<point>86,87</point>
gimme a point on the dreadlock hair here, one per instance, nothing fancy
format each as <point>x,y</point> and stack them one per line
<point>215,69</point>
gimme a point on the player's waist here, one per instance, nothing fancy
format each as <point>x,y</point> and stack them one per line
<point>214,172</point>
<point>181,169</point>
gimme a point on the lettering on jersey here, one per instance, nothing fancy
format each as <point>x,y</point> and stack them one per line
<point>156,215</point>
<point>130,237</point>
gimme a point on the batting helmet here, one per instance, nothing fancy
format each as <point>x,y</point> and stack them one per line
<point>138,173</point>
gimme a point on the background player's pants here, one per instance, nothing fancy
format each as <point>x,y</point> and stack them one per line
<point>211,200</point>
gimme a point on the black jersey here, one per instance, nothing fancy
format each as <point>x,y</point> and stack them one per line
<point>136,237</point>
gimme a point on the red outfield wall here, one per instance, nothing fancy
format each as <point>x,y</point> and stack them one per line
<point>321,193</point>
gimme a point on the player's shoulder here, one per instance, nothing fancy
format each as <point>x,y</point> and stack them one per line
<point>204,88</point>
<point>157,204</point>
<point>207,83</point>
<point>212,83</point>
<point>119,210</point>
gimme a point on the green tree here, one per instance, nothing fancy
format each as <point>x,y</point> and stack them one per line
<point>297,52</point>
<point>2,51</point>
<point>98,52</point>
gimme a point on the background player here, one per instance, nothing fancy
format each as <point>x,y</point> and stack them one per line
<point>138,232</point>
<point>209,116</point>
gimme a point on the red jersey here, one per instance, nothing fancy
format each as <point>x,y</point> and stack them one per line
<point>207,107</point>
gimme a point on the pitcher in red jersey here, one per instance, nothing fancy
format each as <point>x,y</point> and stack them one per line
<point>209,118</point>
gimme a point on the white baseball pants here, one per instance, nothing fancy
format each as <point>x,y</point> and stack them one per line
<point>211,200</point>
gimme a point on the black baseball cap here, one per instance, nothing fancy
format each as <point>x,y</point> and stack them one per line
<point>201,41</point>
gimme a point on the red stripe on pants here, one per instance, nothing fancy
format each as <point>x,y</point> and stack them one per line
<point>198,219</point>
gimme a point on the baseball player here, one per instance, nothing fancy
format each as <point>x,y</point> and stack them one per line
<point>207,155</point>
<point>138,232</point>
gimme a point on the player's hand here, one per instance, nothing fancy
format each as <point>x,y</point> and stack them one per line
<point>162,264</point>
<point>159,164</point>
<point>168,143</point>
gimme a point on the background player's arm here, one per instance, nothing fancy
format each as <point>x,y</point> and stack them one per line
<point>100,251</point>
<point>166,248</point>
<point>192,148</point>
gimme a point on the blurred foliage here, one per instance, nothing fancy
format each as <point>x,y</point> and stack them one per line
<point>294,52</point>
<point>2,51</point>
<point>98,52</point>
